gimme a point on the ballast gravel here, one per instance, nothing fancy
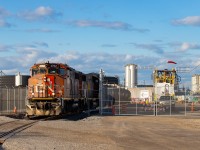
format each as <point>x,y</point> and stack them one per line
<point>108,133</point>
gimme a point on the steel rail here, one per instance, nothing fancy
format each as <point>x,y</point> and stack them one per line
<point>18,128</point>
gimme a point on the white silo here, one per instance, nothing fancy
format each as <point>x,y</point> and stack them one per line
<point>18,79</point>
<point>130,75</point>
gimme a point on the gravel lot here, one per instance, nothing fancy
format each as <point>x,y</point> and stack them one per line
<point>109,133</point>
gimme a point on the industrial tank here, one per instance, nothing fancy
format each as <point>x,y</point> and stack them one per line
<point>131,76</point>
<point>21,80</point>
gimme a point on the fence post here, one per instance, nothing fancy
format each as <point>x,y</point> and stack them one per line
<point>6,98</point>
<point>185,102</point>
<point>119,103</point>
<point>15,108</point>
<point>101,76</point>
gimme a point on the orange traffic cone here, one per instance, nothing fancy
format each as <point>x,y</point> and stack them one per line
<point>15,110</point>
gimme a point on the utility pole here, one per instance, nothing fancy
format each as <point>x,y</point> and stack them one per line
<point>2,73</point>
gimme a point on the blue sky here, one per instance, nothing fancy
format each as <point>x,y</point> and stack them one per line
<point>93,34</point>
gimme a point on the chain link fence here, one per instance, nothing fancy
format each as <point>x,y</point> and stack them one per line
<point>118,101</point>
<point>12,100</point>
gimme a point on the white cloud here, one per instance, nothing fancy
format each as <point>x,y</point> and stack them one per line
<point>3,23</point>
<point>44,30</point>
<point>4,13</point>
<point>40,13</point>
<point>152,47</point>
<point>190,20</point>
<point>5,48</point>
<point>43,11</point>
<point>112,64</point>
<point>184,46</point>
<point>114,25</point>
<point>42,44</point>
<point>108,45</point>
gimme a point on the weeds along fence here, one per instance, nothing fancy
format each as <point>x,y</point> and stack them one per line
<point>12,100</point>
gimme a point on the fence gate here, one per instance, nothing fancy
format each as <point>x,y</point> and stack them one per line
<point>117,100</point>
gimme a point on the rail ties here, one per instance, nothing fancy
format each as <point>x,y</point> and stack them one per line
<point>10,128</point>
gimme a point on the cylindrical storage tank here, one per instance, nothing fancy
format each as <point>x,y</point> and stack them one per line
<point>133,69</point>
<point>18,79</point>
<point>127,76</point>
<point>130,75</point>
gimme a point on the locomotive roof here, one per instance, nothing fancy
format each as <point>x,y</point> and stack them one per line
<point>60,64</point>
<point>47,63</point>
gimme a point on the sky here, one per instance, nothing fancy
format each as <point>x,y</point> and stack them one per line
<point>90,35</point>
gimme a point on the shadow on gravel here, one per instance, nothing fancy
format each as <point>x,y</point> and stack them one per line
<point>16,116</point>
<point>67,117</point>
<point>77,117</point>
<point>1,147</point>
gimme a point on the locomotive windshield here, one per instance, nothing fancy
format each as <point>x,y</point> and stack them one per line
<point>53,70</point>
<point>38,70</point>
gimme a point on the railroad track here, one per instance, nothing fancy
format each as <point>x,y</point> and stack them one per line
<point>8,129</point>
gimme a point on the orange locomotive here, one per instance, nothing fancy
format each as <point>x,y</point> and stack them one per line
<point>56,88</point>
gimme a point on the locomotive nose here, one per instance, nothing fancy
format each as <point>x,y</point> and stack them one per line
<point>50,84</point>
<point>42,86</point>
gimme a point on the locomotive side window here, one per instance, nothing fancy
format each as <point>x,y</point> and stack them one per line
<point>34,71</point>
<point>62,71</point>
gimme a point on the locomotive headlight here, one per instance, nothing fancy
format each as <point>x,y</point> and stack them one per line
<point>53,93</point>
<point>32,93</point>
<point>45,79</point>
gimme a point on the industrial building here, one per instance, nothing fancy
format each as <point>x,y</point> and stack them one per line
<point>113,80</point>
<point>10,81</point>
<point>195,84</point>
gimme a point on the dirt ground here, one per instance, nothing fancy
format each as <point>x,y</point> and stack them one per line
<point>111,132</point>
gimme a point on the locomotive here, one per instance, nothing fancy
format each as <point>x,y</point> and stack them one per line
<point>56,88</point>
